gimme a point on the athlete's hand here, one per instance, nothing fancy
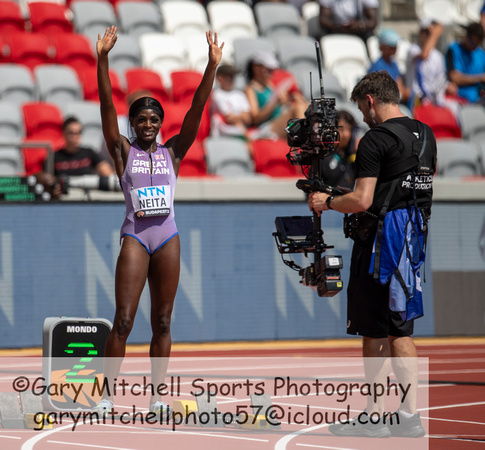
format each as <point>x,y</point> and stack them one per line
<point>106,43</point>
<point>215,52</point>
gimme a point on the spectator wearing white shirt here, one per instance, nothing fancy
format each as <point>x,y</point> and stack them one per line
<point>426,70</point>
<point>357,17</point>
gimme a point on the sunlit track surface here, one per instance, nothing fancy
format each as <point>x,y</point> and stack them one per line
<point>454,416</point>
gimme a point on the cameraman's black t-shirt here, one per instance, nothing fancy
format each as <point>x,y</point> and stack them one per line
<point>377,152</point>
<point>83,162</point>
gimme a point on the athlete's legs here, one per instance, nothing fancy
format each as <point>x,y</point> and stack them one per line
<point>130,279</point>
<point>163,278</point>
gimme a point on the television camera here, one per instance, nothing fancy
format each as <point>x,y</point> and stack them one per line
<point>310,140</point>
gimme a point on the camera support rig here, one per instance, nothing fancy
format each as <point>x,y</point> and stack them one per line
<point>310,140</point>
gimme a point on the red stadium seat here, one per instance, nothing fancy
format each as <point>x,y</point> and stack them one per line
<point>49,18</point>
<point>145,79</point>
<point>194,163</point>
<point>174,116</point>
<point>43,123</point>
<point>30,49</point>
<point>270,158</point>
<point>441,120</point>
<point>280,75</point>
<point>184,85</point>
<point>75,50</point>
<point>11,19</point>
<point>42,120</point>
<point>89,81</point>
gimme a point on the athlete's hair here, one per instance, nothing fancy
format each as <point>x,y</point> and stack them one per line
<point>146,103</point>
<point>379,85</point>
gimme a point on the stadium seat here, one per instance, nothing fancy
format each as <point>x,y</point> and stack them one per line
<point>11,160</point>
<point>472,122</point>
<point>164,53</point>
<point>11,19</point>
<point>87,112</point>
<point>17,84</point>
<point>232,20</point>
<point>138,79</point>
<point>49,18</point>
<point>89,82</point>
<point>441,120</point>
<point>30,49</point>
<point>137,18</point>
<point>75,50</point>
<point>281,75</point>
<point>43,123</point>
<point>174,116</point>
<point>196,45</point>
<point>270,158</point>
<point>11,121</point>
<point>92,18</point>
<point>447,12</point>
<point>228,157</point>
<point>470,9</point>
<point>310,12</point>
<point>57,84</point>
<point>346,57</point>
<point>194,164</point>
<point>124,55</point>
<point>458,158</point>
<point>184,85</point>
<point>276,20</point>
<point>245,48</point>
<point>181,17</point>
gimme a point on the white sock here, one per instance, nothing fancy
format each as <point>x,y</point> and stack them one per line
<point>406,415</point>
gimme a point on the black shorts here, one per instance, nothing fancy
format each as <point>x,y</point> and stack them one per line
<point>368,312</point>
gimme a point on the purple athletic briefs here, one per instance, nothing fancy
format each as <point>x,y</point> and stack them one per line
<point>149,185</point>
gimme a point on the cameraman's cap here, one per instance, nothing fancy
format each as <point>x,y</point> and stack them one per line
<point>266,59</point>
<point>388,37</point>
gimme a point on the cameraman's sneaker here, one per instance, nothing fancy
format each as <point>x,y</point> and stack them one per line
<point>104,407</point>
<point>361,426</point>
<point>159,408</point>
<point>401,426</point>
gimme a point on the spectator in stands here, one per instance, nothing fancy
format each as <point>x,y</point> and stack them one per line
<point>73,159</point>
<point>426,70</point>
<point>230,112</point>
<point>357,17</point>
<point>465,62</point>
<point>388,42</point>
<point>271,106</point>
<point>338,169</point>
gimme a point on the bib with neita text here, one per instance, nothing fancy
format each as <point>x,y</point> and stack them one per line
<point>151,201</point>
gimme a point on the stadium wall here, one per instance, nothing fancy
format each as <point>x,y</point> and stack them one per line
<point>59,260</point>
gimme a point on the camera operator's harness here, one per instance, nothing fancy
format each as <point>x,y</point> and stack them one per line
<point>413,224</point>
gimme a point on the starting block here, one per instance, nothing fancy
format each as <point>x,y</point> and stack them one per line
<point>206,413</point>
<point>26,413</point>
<point>184,407</point>
<point>264,401</point>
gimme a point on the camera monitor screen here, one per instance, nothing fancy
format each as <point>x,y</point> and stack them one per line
<point>295,228</point>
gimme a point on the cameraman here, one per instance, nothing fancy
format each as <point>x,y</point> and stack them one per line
<point>385,332</point>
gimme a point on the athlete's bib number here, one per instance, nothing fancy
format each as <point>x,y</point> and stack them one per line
<point>151,201</point>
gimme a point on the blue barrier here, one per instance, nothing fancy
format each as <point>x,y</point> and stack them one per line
<point>59,260</point>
